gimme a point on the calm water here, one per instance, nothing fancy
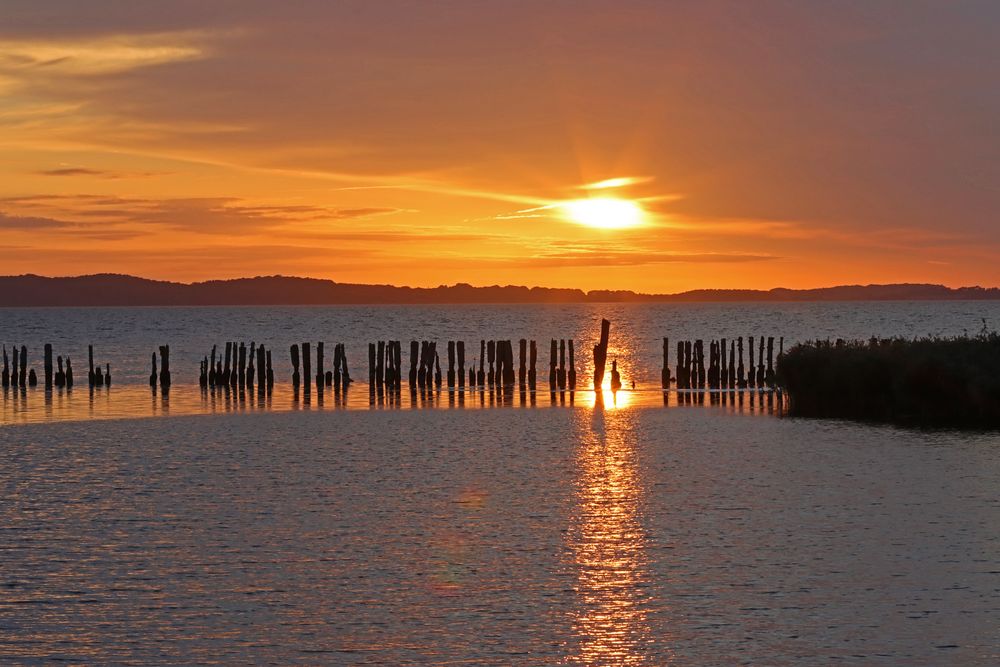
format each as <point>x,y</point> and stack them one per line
<point>228,532</point>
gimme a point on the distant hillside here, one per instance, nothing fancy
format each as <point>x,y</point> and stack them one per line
<point>121,290</point>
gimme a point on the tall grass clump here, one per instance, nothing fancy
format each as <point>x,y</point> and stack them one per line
<point>927,381</point>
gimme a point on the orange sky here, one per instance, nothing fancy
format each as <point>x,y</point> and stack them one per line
<point>768,144</point>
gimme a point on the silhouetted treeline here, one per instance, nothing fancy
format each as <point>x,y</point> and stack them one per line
<point>122,290</point>
<point>929,381</point>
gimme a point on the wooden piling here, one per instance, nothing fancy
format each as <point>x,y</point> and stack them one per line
<point>153,375</point>
<point>553,352</point>
<point>732,364</point>
<point>48,365</point>
<point>760,362</point>
<point>225,364</point>
<point>165,378</point>
<point>262,370</point>
<point>5,374</point>
<point>741,371</point>
<point>69,374</point>
<point>451,364</point>
<point>769,373</point>
<point>481,376</point>
<point>241,375</point>
<point>601,354</point>
<point>295,366</point>
<point>491,358</point>
<point>270,372</point>
<point>90,359</point>
<point>306,368</point>
<point>532,362</point>
<point>60,380</point>
<point>561,374</point>
<point>24,365</point>
<point>572,366</point>
<point>32,378</point>
<point>320,374</point>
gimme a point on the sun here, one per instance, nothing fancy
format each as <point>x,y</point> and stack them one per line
<point>604,212</point>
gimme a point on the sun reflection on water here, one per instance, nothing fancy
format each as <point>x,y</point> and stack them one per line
<point>609,544</point>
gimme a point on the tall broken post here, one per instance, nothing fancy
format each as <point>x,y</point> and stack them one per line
<point>461,364</point>
<point>601,355</point>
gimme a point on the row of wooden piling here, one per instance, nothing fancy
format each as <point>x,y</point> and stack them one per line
<point>691,372</point>
<point>385,365</point>
<point>236,369</point>
<point>338,378</point>
<point>16,373</point>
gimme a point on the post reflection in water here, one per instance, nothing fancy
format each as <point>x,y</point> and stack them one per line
<point>608,544</point>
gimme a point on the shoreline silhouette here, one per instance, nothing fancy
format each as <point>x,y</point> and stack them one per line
<point>124,290</point>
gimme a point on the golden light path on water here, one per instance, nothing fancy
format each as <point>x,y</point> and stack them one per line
<point>609,543</point>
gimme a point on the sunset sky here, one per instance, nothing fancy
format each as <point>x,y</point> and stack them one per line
<point>732,144</point>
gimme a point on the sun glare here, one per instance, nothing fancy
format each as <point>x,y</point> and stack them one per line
<point>604,212</point>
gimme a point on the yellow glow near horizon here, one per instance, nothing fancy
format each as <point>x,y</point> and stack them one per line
<point>604,212</point>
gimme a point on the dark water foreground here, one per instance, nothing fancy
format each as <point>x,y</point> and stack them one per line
<point>585,537</point>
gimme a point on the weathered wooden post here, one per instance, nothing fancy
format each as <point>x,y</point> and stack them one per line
<point>48,365</point>
<point>561,373</point>
<point>241,374</point>
<point>769,373</point>
<point>460,348</point>
<point>165,366</point>
<point>533,359</point>
<point>491,357</point>
<point>60,380</point>
<point>24,366</point>
<point>451,364</point>
<point>679,367</point>
<point>380,364</point>
<point>601,354</point>
<point>14,374</point>
<point>69,374</point>
<point>481,376</point>
<point>371,366</point>
<point>234,371</point>
<point>690,376</point>
<point>699,353</point>
<point>262,369</point>
<point>751,368</point>
<point>5,375</point>
<point>572,366</point>
<point>345,373</point>
<point>153,375</point>
<point>212,379</point>
<point>225,364</point>
<point>306,368</point>
<point>295,366</point>
<point>760,362</point>
<point>203,372</point>
<point>741,371</point>
<point>251,360</point>
<point>665,371</point>
<point>723,371</point>
<point>552,365</point>
<point>732,364</point>
<point>270,373</point>
<point>32,378</point>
